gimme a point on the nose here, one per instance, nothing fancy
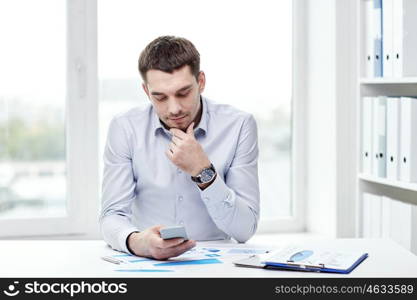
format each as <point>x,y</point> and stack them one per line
<point>174,107</point>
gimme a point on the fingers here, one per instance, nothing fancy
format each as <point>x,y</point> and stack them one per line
<point>161,243</point>
<point>161,249</point>
<point>172,147</point>
<point>178,133</point>
<point>176,140</point>
<point>156,228</point>
<point>169,153</point>
<point>165,253</point>
<point>184,247</point>
<point>190,129</point>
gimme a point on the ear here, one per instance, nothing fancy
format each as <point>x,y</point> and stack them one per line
<point>201,81</point>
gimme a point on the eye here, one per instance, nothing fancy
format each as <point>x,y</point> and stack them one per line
<point>184,94</point>
<point>160,98</point>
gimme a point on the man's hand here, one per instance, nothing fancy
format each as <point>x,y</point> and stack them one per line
<point>149,243</point>
<point>185,152</point>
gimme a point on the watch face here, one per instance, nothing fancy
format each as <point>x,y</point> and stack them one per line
<point>207,175</point>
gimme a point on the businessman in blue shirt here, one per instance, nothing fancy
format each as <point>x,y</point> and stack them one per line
<point>182,160</point>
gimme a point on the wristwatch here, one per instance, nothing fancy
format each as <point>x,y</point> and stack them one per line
<point>205,176</point>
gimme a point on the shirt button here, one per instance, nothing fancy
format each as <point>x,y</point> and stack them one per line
<point>179,171</point>
<point>180,198</point>
<point>206,199</point>
<point>227,204</point>
<point>181,222</point>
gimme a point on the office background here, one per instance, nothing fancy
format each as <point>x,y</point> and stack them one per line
<point>69,66</point>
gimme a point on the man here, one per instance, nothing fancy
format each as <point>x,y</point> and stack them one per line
<point>183,160</point>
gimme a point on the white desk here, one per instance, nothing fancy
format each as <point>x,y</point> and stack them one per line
<point>80,258</point>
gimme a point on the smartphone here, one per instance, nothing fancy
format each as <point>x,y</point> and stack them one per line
<point>173,232</point>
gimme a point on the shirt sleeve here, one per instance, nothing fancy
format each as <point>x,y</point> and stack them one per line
<point>233,202</point>
<point>118,189</point>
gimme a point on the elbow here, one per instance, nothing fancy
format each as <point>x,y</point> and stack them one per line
<point>243,237</point>
<point>242,240</point>
<point>101,223</point>
<point>102,227</point>
<point>243,232</point>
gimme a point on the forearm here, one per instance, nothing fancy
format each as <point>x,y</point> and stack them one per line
<point>230,210</point>
<point>115,229</point>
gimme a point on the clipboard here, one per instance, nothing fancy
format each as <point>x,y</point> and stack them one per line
<point>289,265</point>
<point>256,261</point>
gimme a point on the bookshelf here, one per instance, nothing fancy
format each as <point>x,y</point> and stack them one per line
<point>381,80</point>
<point>386,182</point>
<point>400,191</point>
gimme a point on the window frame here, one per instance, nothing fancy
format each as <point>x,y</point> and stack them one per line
<point>297,221</point>
<point>81,133</point>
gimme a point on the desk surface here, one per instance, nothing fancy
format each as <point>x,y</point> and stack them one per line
<point>82,258</point>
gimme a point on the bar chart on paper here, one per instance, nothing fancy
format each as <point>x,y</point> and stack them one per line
<point>188,261</point>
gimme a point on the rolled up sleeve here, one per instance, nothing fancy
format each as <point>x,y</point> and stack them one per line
<point>233,202</point>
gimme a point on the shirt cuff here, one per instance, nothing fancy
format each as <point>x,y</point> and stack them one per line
<point>218,193</point>
<point>123,235</point>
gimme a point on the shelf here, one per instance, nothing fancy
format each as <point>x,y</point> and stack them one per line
<point>381,80</point>
<point>384,181</point>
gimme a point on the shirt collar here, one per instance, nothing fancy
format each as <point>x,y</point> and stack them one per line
<point>202,126</point>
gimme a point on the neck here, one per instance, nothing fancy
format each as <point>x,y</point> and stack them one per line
<point>199,114</point>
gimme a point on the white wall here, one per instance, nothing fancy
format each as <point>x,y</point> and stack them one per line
<point>320,87</point>
<point>330,90</point>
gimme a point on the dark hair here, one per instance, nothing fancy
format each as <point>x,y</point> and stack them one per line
<point>168,53</point>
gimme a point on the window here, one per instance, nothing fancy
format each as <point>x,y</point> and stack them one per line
<point>44,86</point>
<point>32,106</point>
<point>246,53</point>
<point>49,139</point>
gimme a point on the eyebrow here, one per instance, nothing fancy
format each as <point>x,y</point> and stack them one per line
<point>179,90</point>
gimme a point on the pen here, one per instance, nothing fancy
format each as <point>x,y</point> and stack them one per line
<point>112,260</point>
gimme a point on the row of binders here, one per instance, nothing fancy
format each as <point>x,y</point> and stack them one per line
<point>384,217</point>
<point>390,39</point>
<point>389,137</point>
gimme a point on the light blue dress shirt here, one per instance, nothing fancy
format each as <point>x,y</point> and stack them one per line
<point>143,188</point>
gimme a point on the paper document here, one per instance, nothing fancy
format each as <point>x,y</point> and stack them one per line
<point>194,258</point>
<point>314,259</point>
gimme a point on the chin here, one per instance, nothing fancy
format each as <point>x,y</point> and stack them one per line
<point>183,125</point>
<point>178,126</point>
<point>183,128</point>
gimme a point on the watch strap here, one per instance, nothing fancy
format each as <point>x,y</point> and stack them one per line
<point>198,177</point>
